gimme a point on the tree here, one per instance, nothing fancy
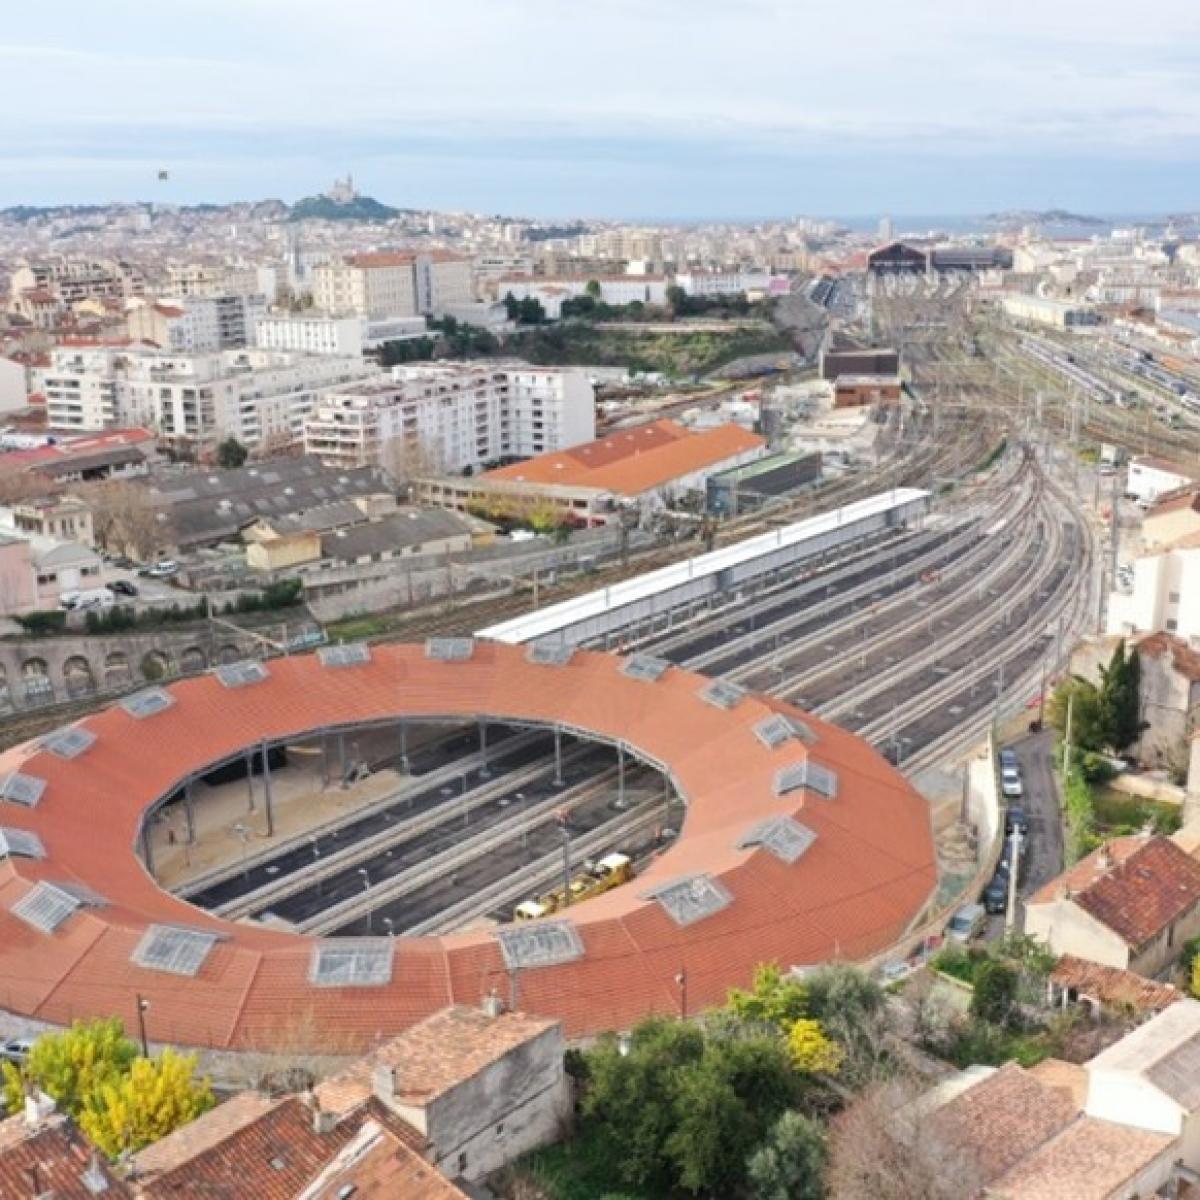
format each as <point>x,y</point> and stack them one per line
<point>1120,698</point>
<point>772,999</point>
<point>1087,723</point>
<point>154,1098</point>
<point>790,1162</point>
<point>885,1146</point>
<point>68,1066</point>
<point>811,1051</point>
<point>231,453</point>
<point>125,518</point>
<point>850,1006</point>
<point>995,996</point>
<point>593,289</point>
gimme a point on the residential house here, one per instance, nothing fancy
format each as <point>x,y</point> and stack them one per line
<point>62,518</point>
<point>1175,515</point>
<point>405,534</point>
<point>482,1085</point>
<point>276,1148</point>
<point>1131,904</point>
<point>43,1156</point>
<point>18,580</point>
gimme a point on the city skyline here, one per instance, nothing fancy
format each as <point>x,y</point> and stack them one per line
<point>698,111</point>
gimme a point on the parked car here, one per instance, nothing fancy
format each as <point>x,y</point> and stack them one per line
<point>1010,784</point>
<point>87,598</point>
<point>123,587</point>
<point>967,923</point>
<point>1008,759</point>
<point>16,1050</point>
<point>163,569</point>
<point>995,895</point>
<point>1016,818</point>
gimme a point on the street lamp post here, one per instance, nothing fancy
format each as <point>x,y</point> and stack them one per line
<point>142,1005</point>
<point>681,983</point>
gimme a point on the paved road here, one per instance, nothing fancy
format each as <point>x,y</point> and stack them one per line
<point>1041,802</point>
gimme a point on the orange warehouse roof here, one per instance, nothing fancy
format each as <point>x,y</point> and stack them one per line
<point>867,872</point>
<point>636,460</point>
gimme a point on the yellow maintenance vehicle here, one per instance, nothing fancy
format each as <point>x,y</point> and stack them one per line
<point>610,872</point>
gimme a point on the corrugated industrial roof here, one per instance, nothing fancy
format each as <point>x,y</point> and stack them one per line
<point>867,873</point>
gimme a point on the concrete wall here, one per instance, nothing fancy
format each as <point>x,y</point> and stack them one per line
<point>1067,929</point>
<point>1153,959</point>
<point>508,1109</point>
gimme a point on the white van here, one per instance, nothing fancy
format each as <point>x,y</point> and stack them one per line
<point>87,598</point>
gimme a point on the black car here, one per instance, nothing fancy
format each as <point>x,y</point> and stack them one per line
<point>123,587</point>
<point>995,895</point>
<point>1016,818</point>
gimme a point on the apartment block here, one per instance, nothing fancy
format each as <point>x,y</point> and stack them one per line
<point>69,280</point>
<point>393,284</point>
<point>320,333</point>
<point>448,417</point>
<point>260,397</point>
<point>614,289</point>
<point>198,324</point>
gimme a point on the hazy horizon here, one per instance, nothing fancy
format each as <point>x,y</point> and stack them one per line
<point>516,106</point>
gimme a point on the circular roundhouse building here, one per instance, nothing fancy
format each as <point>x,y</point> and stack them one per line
<point>800,845</point>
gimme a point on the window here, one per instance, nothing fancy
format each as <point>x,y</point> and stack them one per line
<point>1172,597</point>
<point>462,1163</point>
<point>1172,625</point>
<point>500,1130</point>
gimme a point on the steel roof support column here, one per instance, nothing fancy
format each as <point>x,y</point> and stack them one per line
<point>324,759</point>
<point>266,768</point>
<point>621,774</point>
<point>188,812</point>
<point>250,777</point>
<point>342,758</point>
<point>147,853</point>
<point>483,749</point>
<point>404,747</point>
<point>558,775</point>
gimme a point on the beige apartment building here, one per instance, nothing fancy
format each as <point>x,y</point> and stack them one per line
<point>393,284</point>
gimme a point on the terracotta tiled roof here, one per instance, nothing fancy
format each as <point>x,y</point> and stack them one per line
<point>382,258</point>
<point>1113,986</point>
<point>854,890</point>
<point>1089,1160</point>
<point>1186,660</point>
<point>636,460</point>
<point>51,1159</point>
<point>997,1122</point>
<point>434,1056</point>
<point>377,1165</point>
<point>269,1151</point>
<point>1136,886</point>
<point>1067,1077</point>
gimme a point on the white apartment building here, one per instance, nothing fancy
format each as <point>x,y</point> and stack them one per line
<point>1149,477</point>
<point>722,283</point>
<point>616,290</point>
<point>205,279</point>
<point>1165,594</point>
<point>312,334</point>
<point>393,284</point>
<point>452,416</point>
<point>197,324</point>
<point>71,280</point>
<point>319,333</point>
<point>260,397</point>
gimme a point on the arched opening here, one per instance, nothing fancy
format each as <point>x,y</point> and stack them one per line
<point>229,653</point>
<point>116,670</point>
<point>78,677</point>
<point>156,665</point>
<point>35,681</point>
<point>192,660</point>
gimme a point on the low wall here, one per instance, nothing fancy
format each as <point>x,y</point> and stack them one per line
<point>1146,787</point>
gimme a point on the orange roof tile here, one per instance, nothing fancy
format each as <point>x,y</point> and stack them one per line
<point>869,872</point>
<point>1134,885</point>
<point>635,460</point>
<point>1113,986</point>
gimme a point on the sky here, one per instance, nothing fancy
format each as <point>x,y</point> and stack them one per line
<point>609,108</point>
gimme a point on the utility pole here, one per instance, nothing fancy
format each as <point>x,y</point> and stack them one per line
<point>1015,866</point>
<point>1067,735</point>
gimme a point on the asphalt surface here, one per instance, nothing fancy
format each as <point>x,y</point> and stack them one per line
<point>422,762</point>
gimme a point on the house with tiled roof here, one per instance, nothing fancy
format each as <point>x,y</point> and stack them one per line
<point>270,1148</point>
<point>1174,515</point>
<point>1130,904</point>
<point>1107,989</point>
<point>43,1155</point>
<point>481,1085</point>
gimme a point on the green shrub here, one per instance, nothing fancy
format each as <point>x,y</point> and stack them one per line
<point>42,623</point>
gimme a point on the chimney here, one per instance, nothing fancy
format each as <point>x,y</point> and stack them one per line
<point>1104,861</point>
<point>493,1006</point>
<point>384,1082</point>
<point>38,1106</point>
<point>94,1178</point>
